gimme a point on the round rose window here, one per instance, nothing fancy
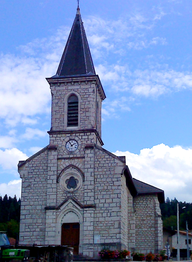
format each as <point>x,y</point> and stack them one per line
<point>70,181</point>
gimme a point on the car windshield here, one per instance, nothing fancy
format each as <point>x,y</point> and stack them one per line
<point>4,241</point>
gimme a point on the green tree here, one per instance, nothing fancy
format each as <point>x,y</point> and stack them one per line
<point>13,228</point>
<point>170,222</point>
<point>10,215</point>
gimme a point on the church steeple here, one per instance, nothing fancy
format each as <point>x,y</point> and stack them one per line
<point>76,59</point>
<point>77,92</point>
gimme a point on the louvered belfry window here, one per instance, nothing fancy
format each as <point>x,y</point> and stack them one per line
<point>72,116</point>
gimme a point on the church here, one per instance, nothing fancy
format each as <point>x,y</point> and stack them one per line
<point>75,192</point>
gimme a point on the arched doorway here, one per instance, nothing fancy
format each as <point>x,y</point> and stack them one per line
<point>70,230</point>
<point>70,235</point>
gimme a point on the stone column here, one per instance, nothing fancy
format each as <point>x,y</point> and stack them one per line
<point>158,226</point>
<point>50,233</point>
<point>88,242</point>
<point>89,200</point>
<point>89,184</point>
<point>131,223</point>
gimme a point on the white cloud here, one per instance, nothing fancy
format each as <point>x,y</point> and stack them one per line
<point>114,36</point>
<point>159,15</point>
<point>13,188</point>
<point>154,83</point>
<point>29,121</point>
<point>24,92</point>
<point>23,89</point>
<point>148,82</point>
<point>112,106</point>
<point>145,43</point>
<point>164,167</point>
<point>111,74</point>
<point>31,133</point>
<point>12,132</point>
<point>138,21</point>
<point>9,158</point>
<point>7,141</point>
<point>149,90</point>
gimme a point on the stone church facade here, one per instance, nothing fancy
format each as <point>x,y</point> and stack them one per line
<point>74,192</point>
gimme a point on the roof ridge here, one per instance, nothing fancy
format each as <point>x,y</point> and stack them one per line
<point>81,28</point>
<point>65,50</point>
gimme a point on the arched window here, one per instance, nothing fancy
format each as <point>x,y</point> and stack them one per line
<point>72,112</point>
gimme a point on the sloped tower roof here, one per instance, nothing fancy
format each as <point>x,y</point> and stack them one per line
<point>76,59</point>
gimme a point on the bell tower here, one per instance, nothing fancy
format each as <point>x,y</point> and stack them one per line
<point>76,90</point>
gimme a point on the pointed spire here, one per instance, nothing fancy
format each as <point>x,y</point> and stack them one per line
<point>76,59</point>
<point>78,8</point>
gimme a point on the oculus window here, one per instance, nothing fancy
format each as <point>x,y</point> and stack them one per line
<point>71,181</point>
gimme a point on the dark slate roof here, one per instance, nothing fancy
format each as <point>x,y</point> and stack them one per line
<point>146,189</point>
<point>129,181</point>
<point>76,59</point>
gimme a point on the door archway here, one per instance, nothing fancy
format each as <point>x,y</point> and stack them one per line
<point>70,235</point>
<point>70,231</point>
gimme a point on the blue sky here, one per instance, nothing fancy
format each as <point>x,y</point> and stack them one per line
<point>142,53</point>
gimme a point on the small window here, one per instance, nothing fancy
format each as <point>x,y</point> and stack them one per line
<point>72,112</point>
<point>189,241</point>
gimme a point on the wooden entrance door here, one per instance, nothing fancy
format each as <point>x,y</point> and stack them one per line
<point>70,236</point>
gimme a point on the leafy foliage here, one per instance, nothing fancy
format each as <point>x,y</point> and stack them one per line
<point>138,256</point>
<point>113,254</point>
<point>169,214</point>
<point>150,257</point>
<point>10,215</point>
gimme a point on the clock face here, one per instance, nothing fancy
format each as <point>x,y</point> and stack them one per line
<point>72,145</point>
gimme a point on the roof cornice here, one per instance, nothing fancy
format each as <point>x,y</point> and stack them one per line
<point>58,132</point>
<point>74,79</point>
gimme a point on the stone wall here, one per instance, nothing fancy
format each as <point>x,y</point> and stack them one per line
<point>158,226</point>
<point>104,206</point>
<point>148,224</point>
<point>107,198</point>
<point>124,213</point>
<point>33,200</point>
<point>131,222</point>
<point>89,104</point>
